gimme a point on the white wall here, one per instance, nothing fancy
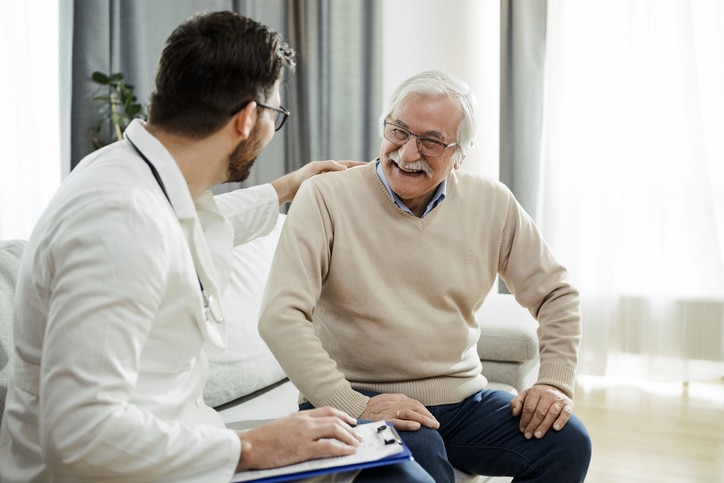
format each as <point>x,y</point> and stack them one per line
<point>458,36</point>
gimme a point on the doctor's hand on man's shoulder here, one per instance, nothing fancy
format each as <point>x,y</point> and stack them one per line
<point>287,185</point>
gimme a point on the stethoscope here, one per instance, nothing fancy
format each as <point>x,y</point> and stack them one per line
<point>211,304</point>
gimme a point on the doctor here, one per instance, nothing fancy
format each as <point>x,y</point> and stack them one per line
<point>119,284</point>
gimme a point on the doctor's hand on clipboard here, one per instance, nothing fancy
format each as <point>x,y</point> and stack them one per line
<point>301,436</point>
<point>381,446</point>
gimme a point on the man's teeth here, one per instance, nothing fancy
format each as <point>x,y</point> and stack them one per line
<point>408,170</point>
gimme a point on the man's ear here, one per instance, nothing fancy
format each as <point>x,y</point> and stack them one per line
<point>245,119</point>
<point>459,162</point>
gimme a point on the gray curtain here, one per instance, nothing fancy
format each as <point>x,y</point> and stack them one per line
<point>523,43</point>
<point>334,95</point>
<point>522,62</point>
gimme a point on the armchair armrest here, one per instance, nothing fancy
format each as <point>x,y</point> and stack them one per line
<point>508,345</point>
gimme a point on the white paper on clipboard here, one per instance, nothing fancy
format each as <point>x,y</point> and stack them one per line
<point>380,445</point>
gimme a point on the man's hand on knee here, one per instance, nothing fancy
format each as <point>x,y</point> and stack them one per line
<point>404,413</point>
<point>540,408</point>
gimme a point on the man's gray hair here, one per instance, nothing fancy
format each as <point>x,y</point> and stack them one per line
<point>433,83</point>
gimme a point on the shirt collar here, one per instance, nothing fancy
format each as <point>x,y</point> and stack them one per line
<point>437,196</point>
<point>170,173</point>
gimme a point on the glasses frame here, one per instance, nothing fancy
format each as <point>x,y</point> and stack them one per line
<point>281,111</point>
<point>419,138</point>
<point>281,117</point>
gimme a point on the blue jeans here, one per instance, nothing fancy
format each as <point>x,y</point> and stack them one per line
<point>479,435</point>
<point>405,472</point>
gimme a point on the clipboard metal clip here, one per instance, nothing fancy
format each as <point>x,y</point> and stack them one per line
<point>388,435</point>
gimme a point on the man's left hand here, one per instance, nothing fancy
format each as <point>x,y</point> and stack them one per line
<point>540,408</point>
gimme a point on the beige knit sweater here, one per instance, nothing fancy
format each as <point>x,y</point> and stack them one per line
<point>362,295</point>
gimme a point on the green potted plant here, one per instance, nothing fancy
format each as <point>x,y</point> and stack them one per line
<point>117,105</point>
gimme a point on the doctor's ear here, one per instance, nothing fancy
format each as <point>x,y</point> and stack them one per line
<point>245,119</point>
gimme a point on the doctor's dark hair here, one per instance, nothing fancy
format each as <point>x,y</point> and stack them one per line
<point>211,64</point>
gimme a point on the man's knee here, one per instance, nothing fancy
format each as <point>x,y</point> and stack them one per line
<point>580,441</point>
<point>574,449</point>
<point>577,438</point>
<point>428,449</point>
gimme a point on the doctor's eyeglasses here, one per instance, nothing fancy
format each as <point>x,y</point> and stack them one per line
<point>281,113</point>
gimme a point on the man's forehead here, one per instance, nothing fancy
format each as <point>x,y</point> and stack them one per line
<point>430,115</point>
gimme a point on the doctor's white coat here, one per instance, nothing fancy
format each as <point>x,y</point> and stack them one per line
<point>110,324</point>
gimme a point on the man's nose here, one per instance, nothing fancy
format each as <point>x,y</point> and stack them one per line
<point>409,152</point>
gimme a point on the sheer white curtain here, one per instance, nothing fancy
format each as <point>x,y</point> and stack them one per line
<point>30,168</point>
<point>632,190</point>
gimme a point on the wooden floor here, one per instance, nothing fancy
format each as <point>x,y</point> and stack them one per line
<point>653,432</point>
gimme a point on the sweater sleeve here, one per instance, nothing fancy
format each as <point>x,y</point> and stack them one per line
<point>295,281</point>
<point>540,283</point>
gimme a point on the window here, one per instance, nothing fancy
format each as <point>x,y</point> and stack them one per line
<point>30,122</point>
<point>632,197</point>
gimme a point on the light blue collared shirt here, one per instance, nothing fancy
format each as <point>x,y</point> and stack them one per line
<point>437,196</point>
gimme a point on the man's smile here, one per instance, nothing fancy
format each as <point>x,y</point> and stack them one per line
<point>416,168</point>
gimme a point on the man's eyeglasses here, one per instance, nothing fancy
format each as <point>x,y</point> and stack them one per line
<point>426,146</point>
<point>281,113</point>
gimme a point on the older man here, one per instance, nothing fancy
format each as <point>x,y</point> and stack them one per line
<point>372,294</point>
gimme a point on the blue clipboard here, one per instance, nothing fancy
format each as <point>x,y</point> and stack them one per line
<point>384,436</point>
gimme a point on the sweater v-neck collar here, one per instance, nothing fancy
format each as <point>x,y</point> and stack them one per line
<point>389,203</point>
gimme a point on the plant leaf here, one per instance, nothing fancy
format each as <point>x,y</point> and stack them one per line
<point>100,78</point>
